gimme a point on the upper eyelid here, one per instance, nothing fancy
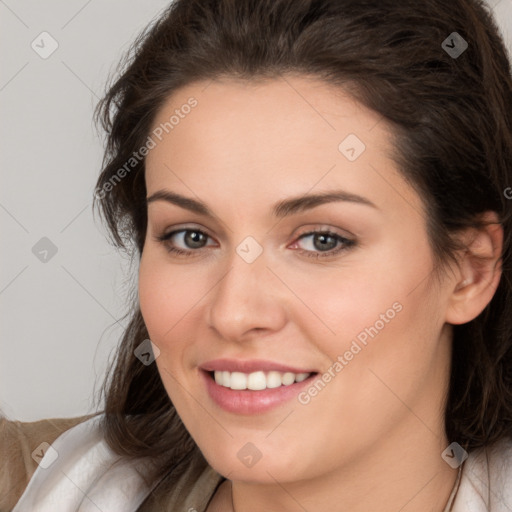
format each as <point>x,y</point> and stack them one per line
<point>308,231</point>
<point>178,229</point>
<point>173,232</point>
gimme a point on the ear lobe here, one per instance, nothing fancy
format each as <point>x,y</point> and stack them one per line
<point>478,273</point>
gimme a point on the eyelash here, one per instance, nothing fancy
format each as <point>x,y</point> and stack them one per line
<point>346,243</point>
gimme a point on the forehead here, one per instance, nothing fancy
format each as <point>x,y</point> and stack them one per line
<point>278,137</point>
<point>272,115</point>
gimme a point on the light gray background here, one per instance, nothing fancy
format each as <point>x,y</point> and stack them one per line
<point>59,318</point>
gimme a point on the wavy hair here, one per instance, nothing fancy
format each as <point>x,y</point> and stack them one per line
<point>452,140</point>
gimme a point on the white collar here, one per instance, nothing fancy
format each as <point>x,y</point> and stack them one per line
<point>486,483</point>
<point>86,476</point>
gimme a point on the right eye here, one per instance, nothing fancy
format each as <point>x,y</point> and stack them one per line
<point>185,241</point>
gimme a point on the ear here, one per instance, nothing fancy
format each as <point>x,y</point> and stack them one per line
<point>479,271</point>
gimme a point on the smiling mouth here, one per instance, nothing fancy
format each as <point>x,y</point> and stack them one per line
<point>257,381</point>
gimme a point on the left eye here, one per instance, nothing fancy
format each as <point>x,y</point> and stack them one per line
<point>322,242</point>
<point>319,241</point>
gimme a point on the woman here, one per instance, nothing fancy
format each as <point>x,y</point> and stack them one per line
<point>319,195</point>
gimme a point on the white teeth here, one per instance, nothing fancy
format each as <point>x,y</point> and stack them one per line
<point>226,378</point>
<point>274,380</point>
<point>288,378</point>
<point>257,380</point>
<point>238,380</point>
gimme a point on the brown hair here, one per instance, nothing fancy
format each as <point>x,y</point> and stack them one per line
<point>452,138</point>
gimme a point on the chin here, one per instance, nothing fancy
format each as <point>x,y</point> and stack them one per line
<point>245,465</point>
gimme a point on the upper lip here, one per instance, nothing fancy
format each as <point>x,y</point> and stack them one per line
<point>250,366</point>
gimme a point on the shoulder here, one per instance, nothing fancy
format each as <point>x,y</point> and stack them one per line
<point>22,446</point>
<point>486,483</point>
<point>80,468</point>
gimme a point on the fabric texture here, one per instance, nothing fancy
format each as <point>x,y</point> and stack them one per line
<point>87,476</point>
<point>17,442</point>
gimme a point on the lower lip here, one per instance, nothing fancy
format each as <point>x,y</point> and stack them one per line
<point>252,402</point>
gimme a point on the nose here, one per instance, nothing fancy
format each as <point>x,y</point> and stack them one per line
<point>247,301</point>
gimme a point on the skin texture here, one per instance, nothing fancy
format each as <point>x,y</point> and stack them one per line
<point>372,438</point>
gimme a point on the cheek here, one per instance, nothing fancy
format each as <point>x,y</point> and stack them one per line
<point>166,295</point>
<point>386,345</point>
<point>382,317</point>
<point>335,304</point>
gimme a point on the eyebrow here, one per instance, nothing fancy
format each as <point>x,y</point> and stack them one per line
<point>281,209</point>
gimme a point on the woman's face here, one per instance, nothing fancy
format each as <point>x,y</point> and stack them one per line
<point>303,257</point>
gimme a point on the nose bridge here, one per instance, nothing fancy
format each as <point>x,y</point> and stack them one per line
<point>243,299</point>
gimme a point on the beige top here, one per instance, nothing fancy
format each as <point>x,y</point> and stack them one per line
<point>86,475</point>
<point>17,442</point>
